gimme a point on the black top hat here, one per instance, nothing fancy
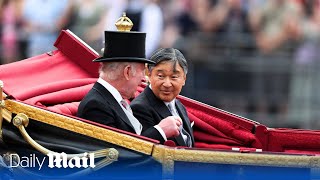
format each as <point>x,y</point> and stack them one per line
<point>123,45</point>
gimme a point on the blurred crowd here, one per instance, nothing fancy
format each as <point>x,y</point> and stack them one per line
<point>256,58</point>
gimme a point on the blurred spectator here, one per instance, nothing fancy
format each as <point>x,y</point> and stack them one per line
<point>184,20</point>
<point>228,17</point>
<point>89,18</point>
<point>10,18</point>
<point>274,23</point>
<point>146,16</point>
<point>43,20</point>
<point>225,18</point>
<point>304,101</point>
<point>228,21</point>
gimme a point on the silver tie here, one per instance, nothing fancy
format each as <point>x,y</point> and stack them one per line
<point>126,105</point>
<point>185,135</point>
<point>134,121</point>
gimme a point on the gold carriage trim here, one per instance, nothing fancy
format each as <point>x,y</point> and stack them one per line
<point>168,155</point>
<point>4,114</point>
<point>80,127</point>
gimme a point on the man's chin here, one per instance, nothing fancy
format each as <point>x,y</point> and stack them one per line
<point>166,98</point>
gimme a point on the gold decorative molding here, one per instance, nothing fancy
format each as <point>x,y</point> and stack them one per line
<point>4,113</point>
<point>255,159</point>
<point>245,158</point>
<point>165,155</point>
<point>80,127</point>
<point>110,155</point>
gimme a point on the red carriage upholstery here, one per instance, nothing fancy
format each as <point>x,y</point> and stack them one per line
<point>296,141</point>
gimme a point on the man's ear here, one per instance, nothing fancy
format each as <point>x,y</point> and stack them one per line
<point>126,72</point>
<point>146,70</point>
<point>148,73</point>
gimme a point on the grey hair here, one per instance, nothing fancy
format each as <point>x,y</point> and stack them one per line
<point>112,70</point>
<point>170,55</point>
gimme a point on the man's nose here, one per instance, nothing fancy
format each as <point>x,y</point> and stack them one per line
<point>143,79</point>
<point>167,82</point>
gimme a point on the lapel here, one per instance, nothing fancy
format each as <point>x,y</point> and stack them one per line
<point>163,111</point>
<point>109,100</point>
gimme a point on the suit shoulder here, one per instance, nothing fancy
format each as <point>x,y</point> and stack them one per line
<point>92,100</point>
<point>140,99</point>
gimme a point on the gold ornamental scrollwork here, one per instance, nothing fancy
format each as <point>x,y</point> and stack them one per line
<point>110,155</point>
<point>168,156</point>
<point>165,155</point>
<point>77,126</point>
<point>4,113</point>
<point>255,159</point>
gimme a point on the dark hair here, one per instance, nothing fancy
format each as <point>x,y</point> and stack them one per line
<point>169,54</point>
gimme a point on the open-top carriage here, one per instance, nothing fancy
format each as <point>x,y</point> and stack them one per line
<point>37,118</point>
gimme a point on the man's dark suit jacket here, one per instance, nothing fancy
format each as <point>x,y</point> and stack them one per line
<point>100,106</point>
<point>150,110</point>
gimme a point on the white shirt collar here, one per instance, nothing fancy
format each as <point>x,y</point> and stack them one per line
<point>173,103</point>
<point>115,93</point>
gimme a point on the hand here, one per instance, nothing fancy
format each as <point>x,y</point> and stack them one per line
<point>170,126</point>
<point>292,28</point>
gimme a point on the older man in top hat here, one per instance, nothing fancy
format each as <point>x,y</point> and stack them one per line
<point>121,72</point>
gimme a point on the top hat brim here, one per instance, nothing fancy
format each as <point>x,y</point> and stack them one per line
<point>124,59</point>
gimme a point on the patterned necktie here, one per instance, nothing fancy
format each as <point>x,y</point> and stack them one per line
<point>185,135</point>
<point>126,105</point>
<point>134,121</point>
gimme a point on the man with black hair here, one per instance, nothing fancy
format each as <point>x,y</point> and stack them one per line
<point>158,101</point>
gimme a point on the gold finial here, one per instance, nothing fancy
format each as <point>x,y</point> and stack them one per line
<point>124,23</point>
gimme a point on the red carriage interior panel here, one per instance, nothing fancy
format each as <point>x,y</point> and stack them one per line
<point>78,51</point>
<point>51,72</point>
<point>294,141</point>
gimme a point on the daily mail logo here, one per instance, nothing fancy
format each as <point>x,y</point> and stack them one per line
<point>56,160</point>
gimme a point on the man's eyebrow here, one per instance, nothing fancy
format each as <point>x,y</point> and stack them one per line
<point>176,70</point>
